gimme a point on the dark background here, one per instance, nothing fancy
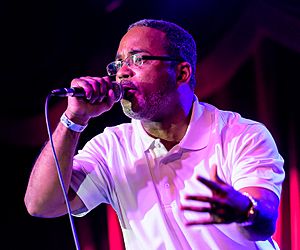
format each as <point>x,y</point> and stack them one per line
<point>249,58</point>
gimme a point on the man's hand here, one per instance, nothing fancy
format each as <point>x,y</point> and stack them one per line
<point>226,204</point>
<point>99,98</point>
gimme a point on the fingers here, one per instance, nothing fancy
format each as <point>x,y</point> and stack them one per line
<point>211,200</point>
<point>214,186</point>
<point>218,205</point>
<point>196,209</point>
<point>96,89</point>
<point>210,221</point>
<point>217,215</point>
<point>214,174</point>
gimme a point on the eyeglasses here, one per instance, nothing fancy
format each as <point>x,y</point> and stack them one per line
<point>136,60</point>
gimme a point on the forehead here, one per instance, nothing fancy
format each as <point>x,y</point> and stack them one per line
<point>142,39</point>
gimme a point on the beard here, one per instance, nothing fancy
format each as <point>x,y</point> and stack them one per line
<point>152,107</point>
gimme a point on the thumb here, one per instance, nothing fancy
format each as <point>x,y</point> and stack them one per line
<point>214,174</point>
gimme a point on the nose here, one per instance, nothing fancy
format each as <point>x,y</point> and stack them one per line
<point>124,72</point>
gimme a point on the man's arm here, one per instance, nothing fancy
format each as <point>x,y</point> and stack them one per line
<point>228,205</point>
<point>266,214</point>
<point>44,196</point>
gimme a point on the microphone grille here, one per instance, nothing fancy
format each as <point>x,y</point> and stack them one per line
<point>118,90</point>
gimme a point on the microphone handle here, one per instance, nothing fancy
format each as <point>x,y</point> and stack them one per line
<point>64,92</point>
<point>79,92</point>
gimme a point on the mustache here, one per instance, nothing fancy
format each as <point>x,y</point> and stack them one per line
<point>128,84</point>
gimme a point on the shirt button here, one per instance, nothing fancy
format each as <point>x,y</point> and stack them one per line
<point>167,185</point>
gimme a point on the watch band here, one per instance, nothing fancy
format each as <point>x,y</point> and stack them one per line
<point>252,211</point>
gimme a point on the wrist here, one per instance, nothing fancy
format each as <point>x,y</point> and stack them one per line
<point>78,119</point>
<point>251,212</point>
<point>70,124</point>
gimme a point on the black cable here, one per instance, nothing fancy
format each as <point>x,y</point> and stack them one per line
<point>60,175</point>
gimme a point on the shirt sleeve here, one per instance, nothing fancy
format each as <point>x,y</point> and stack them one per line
<point>91,178</point>
<point>257,161</point>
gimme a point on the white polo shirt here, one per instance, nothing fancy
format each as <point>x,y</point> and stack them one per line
<point>145,183</point>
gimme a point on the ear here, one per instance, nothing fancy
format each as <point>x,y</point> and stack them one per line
<point>184,72</point>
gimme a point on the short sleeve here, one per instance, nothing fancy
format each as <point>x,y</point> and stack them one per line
<point>257,161</point>
<point>91,178</point>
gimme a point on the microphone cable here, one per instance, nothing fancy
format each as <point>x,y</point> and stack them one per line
<point>60,175</point>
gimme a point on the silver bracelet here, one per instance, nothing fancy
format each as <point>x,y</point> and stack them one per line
<point>71,125</point>
<point>252,211</point>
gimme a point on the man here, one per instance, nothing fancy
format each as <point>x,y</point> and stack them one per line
<point>182,174</point>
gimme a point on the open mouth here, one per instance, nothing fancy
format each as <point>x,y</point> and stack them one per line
<point>129,89</point>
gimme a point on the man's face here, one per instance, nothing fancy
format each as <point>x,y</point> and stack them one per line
<point>150,88</point>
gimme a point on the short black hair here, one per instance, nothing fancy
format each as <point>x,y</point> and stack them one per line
<point>181,43</point>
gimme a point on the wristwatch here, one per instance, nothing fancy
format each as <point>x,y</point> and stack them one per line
<point>252,211</point>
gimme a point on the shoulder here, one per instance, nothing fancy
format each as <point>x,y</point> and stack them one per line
<point>115,134</point>
<point>229,118</point>
<point>123,128</point>
<point>112,140</point>
<point>232,124</point>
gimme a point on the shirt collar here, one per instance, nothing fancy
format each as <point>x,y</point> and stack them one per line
<point>146,140</point>
<point>199,129</point>
<point>197,134</point>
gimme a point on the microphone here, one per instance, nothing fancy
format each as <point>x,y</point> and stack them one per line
<point>79,92</point>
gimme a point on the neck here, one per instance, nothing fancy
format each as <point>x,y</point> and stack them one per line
<point>172,128</point>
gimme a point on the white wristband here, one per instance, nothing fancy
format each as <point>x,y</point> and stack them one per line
<point>71,125</point>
